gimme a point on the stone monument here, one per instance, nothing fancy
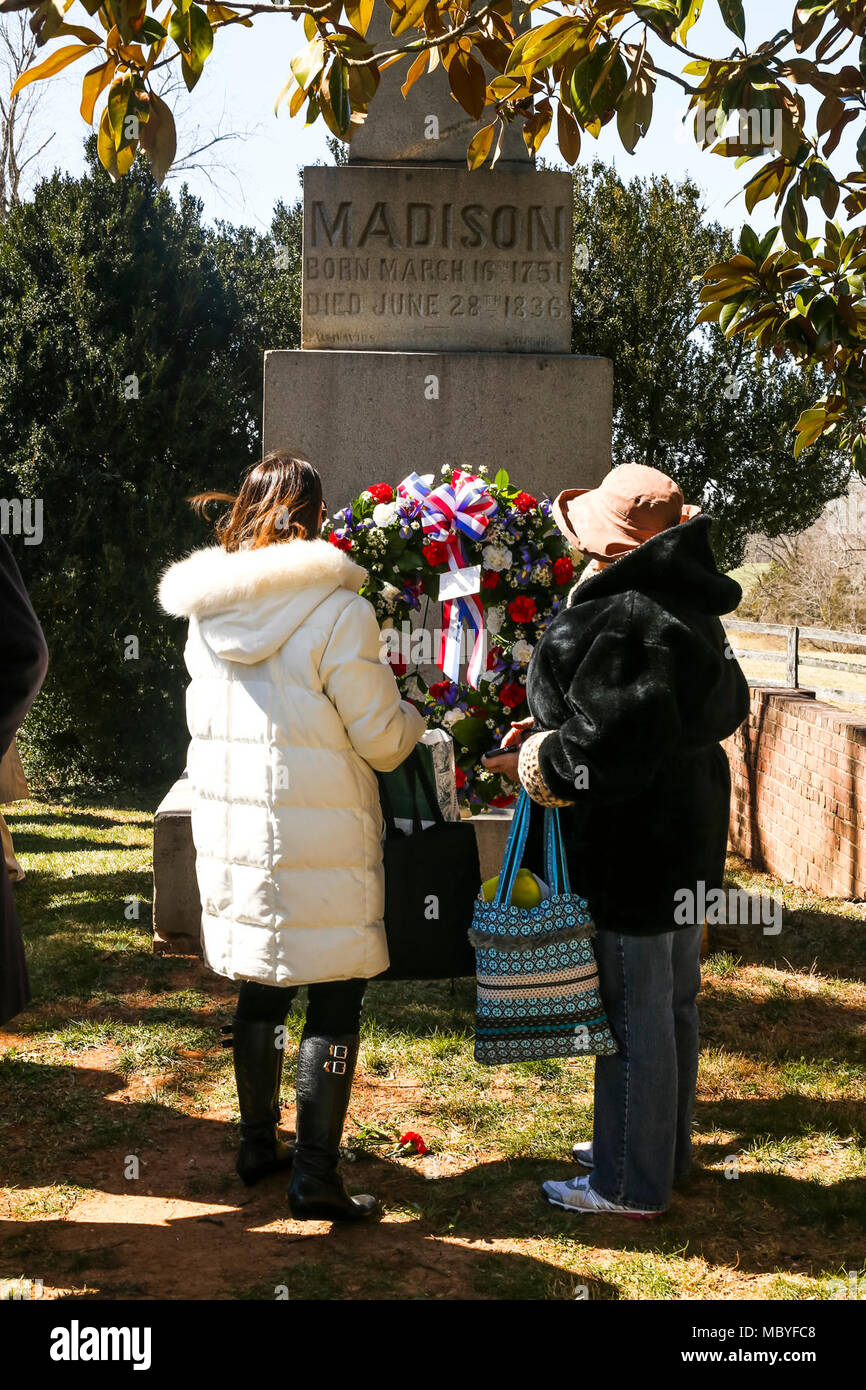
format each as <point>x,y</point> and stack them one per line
<point>436,328</point>
<point>436,322</point>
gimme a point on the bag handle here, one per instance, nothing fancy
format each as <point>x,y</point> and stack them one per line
<point>555,863</point>
<point>515,846</point>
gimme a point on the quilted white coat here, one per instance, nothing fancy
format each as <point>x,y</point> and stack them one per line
<point>290,710</point>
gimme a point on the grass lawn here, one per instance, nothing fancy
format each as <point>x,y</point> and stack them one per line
<point>118,1115</point>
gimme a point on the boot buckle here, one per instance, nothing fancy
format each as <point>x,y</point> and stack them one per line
<point>339,1053</point>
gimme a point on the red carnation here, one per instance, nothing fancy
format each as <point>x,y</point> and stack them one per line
<point>522,609</point>
<point>512,694</point>
<point>493,657</point>
<point>563,570</point>
<point>341,542</point>
<point>435,553</point>
<point>502,800</point>
<point>439,689</point>
<point>489,579</point>
<point>459,777</point>
<point>381,492</point>
<point>398,667</point>
<point>524,502</point>
<point>411,1140</point>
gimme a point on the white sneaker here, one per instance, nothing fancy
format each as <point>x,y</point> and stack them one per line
<point>577,1195</point>
<point>582,1154</point>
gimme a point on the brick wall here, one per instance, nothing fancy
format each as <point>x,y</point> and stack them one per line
<point>798,804</point>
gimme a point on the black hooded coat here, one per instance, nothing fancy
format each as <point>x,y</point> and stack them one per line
<point>636,682</point>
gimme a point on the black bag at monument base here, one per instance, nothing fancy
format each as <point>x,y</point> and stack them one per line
<point>432,878</point>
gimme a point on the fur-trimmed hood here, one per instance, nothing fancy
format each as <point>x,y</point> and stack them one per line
<point>248,602</point>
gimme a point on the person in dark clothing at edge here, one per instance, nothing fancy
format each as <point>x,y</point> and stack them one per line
<point>631,690</point>
<point>23,663</point>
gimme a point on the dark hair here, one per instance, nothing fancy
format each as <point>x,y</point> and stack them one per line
<point>280,499</point>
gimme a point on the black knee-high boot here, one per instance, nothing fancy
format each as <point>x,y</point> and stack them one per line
<point>326,1066</point>
<point>258,1069</point>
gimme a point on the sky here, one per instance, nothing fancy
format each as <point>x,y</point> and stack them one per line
<point>248,68</point>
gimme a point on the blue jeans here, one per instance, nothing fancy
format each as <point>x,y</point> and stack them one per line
<point>645,1095</point>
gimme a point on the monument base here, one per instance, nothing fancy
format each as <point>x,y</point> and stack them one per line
<point>176,903</point>
<point>367,417</point>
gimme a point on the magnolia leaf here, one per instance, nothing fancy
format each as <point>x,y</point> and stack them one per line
<point>415,71</point>
<point>567,134</point>
<point>734,18</point>
<point>54,63</point>
<point>359,13</point>
<point>480,145</point>
<point>94,84</point>
<point>105,147</point>
<point>693,14</point>
<point>468,83</point>
<point>408,18</point>
<point>308,63</point>
<point>159,138</point>
<point>338,93</point>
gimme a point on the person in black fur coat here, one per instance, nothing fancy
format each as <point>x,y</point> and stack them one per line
<point>631,690</point>
<point>23,663</point>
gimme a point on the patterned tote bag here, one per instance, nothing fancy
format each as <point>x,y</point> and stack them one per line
<point>537,976</point>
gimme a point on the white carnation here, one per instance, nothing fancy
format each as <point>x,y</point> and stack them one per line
<point>451,717</point>
<point>494,618</point>
<point>384,513</point>
<point>496,557</point>
<point>390,593</point>
<point>522,652</point>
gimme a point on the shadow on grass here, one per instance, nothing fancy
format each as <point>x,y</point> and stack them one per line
<point>781,1027</point>
<point>827,940</point>
<point>60,1128</point>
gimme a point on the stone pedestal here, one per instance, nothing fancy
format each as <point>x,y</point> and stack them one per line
<point>366,417</point>
<point>176,905</point>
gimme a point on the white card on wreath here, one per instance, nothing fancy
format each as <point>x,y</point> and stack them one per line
<point>459,583</point>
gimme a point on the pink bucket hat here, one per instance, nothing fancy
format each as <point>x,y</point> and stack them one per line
<point>631,505</point>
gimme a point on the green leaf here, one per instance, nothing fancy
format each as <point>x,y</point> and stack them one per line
<point>750,245</point>
<point>338,92</point>
<point>151,31</point>
<point>734,18</point>
<point>663,15</point>
<point>469,732</point>
<point>501,480</point>
<point>193,35</point>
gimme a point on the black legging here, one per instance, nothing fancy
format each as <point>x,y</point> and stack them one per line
<point>333,1008</point>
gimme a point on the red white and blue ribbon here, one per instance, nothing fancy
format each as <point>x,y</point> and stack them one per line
<point>462,506</point>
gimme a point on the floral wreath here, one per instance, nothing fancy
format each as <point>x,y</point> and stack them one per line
<point>407,538</point>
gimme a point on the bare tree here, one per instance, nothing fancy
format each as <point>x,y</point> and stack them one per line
<point>17,135</point>
<point>204,149</point>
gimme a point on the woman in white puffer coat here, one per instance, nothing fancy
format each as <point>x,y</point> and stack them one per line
<point>290,710</point>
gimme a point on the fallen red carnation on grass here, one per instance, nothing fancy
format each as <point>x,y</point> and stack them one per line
<point>413,1143</point>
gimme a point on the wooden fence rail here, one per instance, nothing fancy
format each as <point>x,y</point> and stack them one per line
<point>793,658</point>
